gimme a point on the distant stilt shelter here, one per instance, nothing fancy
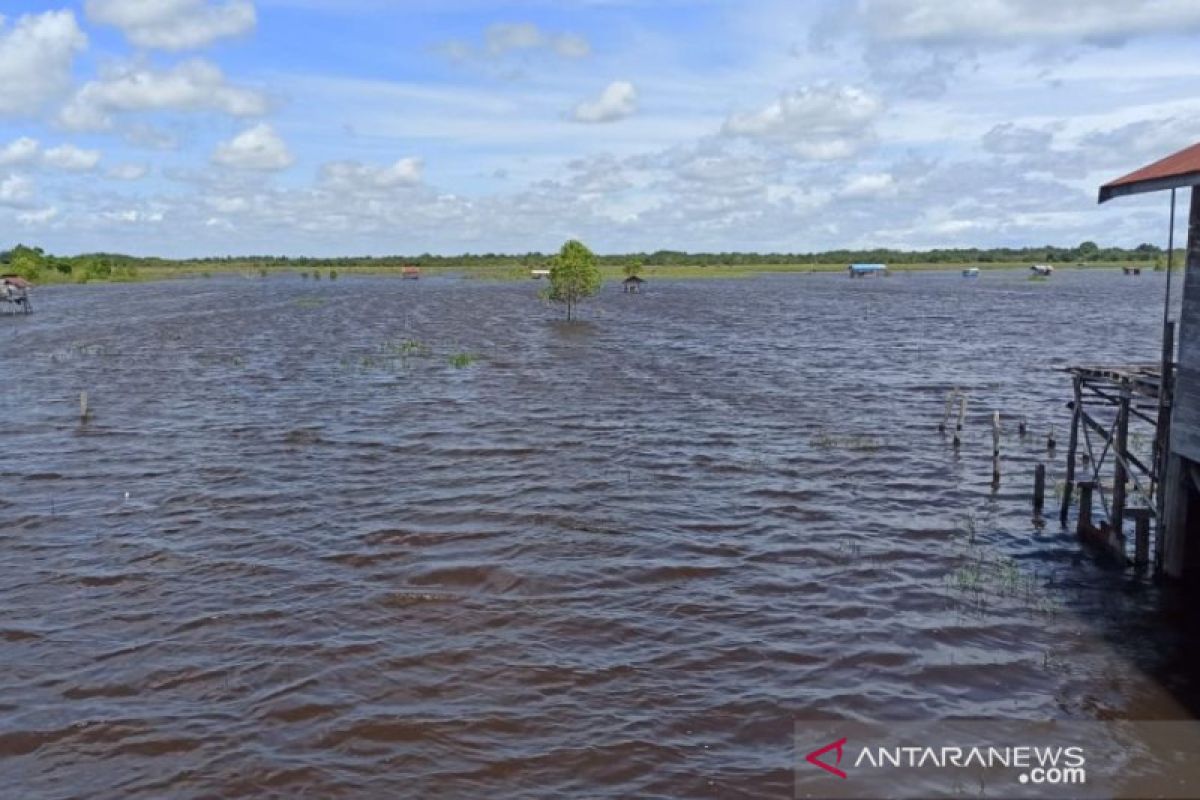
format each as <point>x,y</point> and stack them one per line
<point>1042,270</point>
<point>1132,270</point>
<point>14,292</point>
<point>410,273</point>
<point>633,284</point>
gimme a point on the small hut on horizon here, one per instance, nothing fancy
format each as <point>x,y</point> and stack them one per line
<point>410,273</point>
<point>632,285</point>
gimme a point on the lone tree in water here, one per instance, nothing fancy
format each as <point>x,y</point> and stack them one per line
<point>573,276</point>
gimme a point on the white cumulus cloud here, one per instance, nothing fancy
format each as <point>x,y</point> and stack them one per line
<point>39,217</point>
<point>873,185</point>
<point>259,148</point>
<point>20,152</point>
<point>953,21</point>
<point>504,38</point>
<point>194,85</point>
<point>15,190</point>
<point>70,158</point>
<point>36,55</point>
<point>128,172</point>
<point>174,24</point>
<point>353,177</point>
<point>617,101</point>
<point>822,123</point>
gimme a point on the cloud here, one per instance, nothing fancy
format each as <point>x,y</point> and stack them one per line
<point>28,152</point>
<point>351,176</point>
<point>39,217</point>
<point>174,24</point>
<point>128,172</point>
<point>1011,139</point>
<point>822,123</point>
<point>70,158</point>
<point>15,190</point>
<point>505,38</point>
<point>194,85</point>
<point>36,56</point>
<point>956,22</point>
<point>873,185</point>
<point>259,148</point>
<point>617,101</point>
<point>20,152</point>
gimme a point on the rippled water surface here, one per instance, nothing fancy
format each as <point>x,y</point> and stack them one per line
<point>298,552</point>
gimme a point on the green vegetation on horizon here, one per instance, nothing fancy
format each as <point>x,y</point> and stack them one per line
<point>38,266</point>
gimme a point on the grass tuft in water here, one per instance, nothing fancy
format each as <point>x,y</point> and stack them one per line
<point>462,360</point>
<point>829,441</point>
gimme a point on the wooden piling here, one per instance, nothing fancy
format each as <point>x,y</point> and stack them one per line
<point>962,418</point>
<point>83,406</point>
<point>1120,472</point>
<point>1039,488</point>
<point>1163,439</point>
<point>995,448</point>
<point>1084,526</point>
<point>1072,446</point>
<point>949,410</point>
<point>1141,536</point>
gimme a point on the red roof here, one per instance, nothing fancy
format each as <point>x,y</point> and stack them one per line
<point>13,280</point>
<point>1172,172</point>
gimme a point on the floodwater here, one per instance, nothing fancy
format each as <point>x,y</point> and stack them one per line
<point>297,552</point>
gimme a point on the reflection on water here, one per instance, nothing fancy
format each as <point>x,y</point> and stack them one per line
<point>300,549</point>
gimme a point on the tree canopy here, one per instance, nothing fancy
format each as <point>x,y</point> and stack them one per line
<point>574,276</point>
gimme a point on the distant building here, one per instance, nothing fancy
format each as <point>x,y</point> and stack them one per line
<point>632,284</point>
<point>538,274</point>
<point>411,273</point>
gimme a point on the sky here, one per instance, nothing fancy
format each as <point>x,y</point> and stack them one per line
<point>186,128</point>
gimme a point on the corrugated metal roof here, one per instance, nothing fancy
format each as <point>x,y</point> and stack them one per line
<point>1172,172</point>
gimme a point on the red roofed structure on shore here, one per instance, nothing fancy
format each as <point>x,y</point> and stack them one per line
<point>1173,172</point>
<point>1178,451</point>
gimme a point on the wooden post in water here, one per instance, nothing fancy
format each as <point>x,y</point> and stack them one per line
<point>995,448</point>
<point>1072,446</point>
<point>1120,471</point>
<point>1039,488</point>
<point>949,410</point>
<point>962,417</point>
<point>1141,536</point>
<point>83,406</point>
<point>1085,508</point>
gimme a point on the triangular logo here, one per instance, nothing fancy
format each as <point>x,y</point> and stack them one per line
<point>814,757</point>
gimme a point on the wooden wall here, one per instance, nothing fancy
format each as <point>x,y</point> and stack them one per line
<point>1185,422</point>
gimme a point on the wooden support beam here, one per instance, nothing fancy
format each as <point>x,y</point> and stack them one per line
<point>1141,535</point>
<point>1120,470</point>
<point>1072,448</point>
<point>1084,526</point>
<point>1162,441</point>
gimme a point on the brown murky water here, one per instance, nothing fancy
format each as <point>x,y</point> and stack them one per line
<point>294,554</point>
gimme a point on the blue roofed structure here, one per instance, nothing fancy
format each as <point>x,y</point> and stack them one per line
<point>863,270</point>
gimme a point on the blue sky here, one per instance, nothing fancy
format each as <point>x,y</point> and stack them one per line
<point>341,127</point>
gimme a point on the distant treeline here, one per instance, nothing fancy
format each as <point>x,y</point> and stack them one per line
<point>35,264</point>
